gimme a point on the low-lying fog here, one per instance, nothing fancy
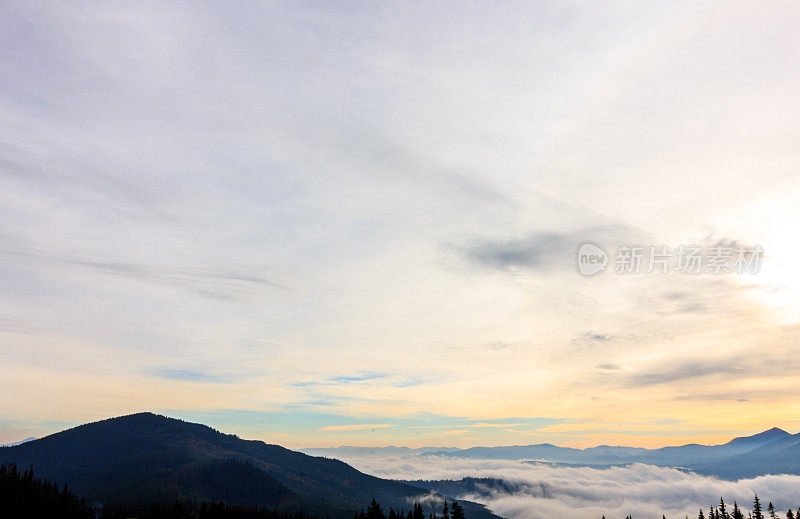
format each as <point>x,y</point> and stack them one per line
<point>540,491</point>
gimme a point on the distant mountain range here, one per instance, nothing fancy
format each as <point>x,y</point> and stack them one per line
<point>774,451</point>
<point>347,450</point>
<point>147,457</point>
<point>19,442</point>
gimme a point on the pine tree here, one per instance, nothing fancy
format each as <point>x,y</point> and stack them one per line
<point>445,511</point>
<point>700,515</point>
<point>771,510</point>
<point>757,512</point>
<point>789,514</point>
<point>722,512</point>
<point>737,512</point>
<point>374,511</point>
<point>456,511</point>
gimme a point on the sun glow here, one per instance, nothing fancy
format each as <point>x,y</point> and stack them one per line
<point>777,284</point>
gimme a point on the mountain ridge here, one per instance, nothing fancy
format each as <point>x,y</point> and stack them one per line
<point>149,456</point>
<point>436,450</point>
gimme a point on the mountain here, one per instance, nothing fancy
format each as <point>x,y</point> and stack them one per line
<point>616,452</point>
<point>19,442</point>
<point>693,455</point>
<point>779,456</point>
<point>759,439</point>
<point>150,457</point>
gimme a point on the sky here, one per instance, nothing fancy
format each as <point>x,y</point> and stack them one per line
<point>356,224</point>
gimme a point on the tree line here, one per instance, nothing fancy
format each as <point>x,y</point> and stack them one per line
<point>24,495</point>
<point>721,511</point>
<point>724,511</point>
<point>374,511</point>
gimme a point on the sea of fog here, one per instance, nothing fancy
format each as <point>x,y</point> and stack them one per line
<point>541,491</point>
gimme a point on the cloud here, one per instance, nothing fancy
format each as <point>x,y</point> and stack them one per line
<point>188,375</point>
<point>367,379</point>
<point>507,345</point>
<point>687,370</point>
<point>484,424</point>
<point>543,249</point>
<point>356,427</point>
<point>712,397</point>
<point>590,338</point>
<point>217,282</point>
<point>347,379</point>
<point>531,252</point>
<point>541,491</point>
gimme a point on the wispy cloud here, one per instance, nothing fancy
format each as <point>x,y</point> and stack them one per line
<point>484,424</point>
<point>217,282</point>
<point>356,427</point>
<point>188,375</point>
<point>453,432</point>
<point>688,370</point>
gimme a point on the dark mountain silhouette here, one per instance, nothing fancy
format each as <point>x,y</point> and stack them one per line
<point>149,457</point>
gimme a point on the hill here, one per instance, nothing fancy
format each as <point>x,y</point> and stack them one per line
<point>150,457</point>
